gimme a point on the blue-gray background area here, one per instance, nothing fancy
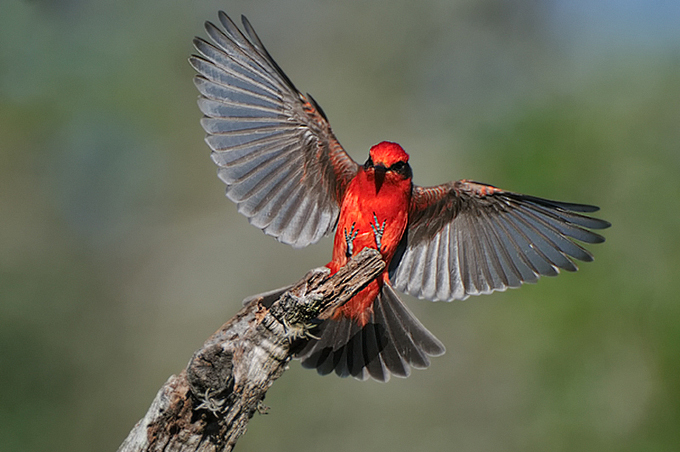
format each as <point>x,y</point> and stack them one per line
<point>119,253</point>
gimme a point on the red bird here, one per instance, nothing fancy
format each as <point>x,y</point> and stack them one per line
<point>290,176</point>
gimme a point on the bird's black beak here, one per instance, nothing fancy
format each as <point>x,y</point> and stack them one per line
<point>379,175</point>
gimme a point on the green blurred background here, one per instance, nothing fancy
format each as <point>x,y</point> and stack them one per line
<point>119,254</point>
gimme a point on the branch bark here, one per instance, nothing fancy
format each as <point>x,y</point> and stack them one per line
<point>208,405</point>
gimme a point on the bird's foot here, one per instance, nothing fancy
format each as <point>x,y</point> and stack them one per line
<point>349,240</point>
<point>378,231</point>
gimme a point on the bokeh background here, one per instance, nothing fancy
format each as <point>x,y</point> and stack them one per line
<point>119,254</point>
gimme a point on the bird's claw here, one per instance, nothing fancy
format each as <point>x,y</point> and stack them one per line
<point>349,239</point>
<point>378,231</point>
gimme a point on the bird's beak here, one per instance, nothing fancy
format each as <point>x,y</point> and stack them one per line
<point>379,175</point>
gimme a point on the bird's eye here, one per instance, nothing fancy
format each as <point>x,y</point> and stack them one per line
<point>402,168</point>
<point>368,164</point>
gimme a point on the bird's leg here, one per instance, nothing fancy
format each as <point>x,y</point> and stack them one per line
<point>378,231</point>
<point>349,240</point>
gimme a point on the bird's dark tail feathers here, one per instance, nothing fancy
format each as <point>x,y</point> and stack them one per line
<point>392,342</point>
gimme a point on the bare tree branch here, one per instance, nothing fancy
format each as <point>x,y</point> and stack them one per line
<point>208,405</point>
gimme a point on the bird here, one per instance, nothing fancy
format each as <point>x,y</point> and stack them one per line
<point>289,175</point>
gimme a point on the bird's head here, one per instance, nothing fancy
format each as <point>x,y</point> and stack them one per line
<point>387,160</point>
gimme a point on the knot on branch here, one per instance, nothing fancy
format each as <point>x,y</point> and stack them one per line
<point>210,377</point>
<point>298,309</point>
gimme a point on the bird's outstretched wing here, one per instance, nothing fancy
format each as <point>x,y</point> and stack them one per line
<point>275,150</point>
<point>466,238</point>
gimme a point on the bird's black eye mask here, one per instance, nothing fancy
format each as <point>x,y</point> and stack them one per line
<point>402,168</point>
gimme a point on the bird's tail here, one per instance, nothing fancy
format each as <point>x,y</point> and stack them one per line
<point>392,342</point>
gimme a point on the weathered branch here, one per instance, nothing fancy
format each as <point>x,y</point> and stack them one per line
<point>207,407</point>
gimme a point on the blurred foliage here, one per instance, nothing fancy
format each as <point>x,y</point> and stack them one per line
<point>119,254</point>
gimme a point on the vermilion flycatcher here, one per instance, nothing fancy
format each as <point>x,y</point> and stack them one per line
<point>290,176</point>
